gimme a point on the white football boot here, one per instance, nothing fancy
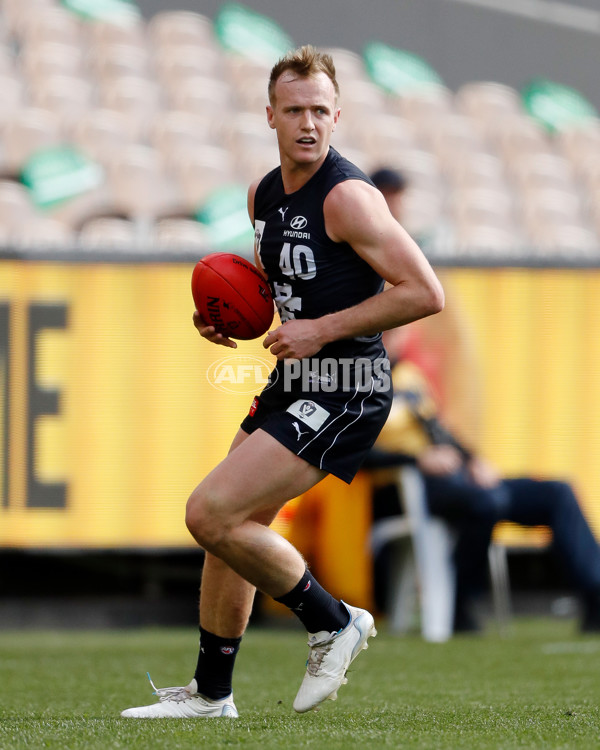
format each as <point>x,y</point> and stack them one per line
<point>183,703</point>
<point>330,656</point>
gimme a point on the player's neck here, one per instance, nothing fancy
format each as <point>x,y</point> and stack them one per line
<point>295,175</point>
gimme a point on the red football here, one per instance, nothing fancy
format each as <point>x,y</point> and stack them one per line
<point>232,295</point>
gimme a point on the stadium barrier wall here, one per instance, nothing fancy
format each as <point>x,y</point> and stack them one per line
<point>108,418</point>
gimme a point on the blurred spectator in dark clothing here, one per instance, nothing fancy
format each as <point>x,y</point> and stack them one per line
<point>467,491</point>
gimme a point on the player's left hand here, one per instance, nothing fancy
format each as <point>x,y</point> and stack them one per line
<point>295,339</point>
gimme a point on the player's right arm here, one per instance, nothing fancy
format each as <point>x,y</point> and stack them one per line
<point>251,194</point>
<point>207,331</point>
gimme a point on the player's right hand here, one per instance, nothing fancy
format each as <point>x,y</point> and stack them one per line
<point>210,334</point>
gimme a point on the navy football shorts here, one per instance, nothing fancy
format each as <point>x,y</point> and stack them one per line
<point>328,413</point>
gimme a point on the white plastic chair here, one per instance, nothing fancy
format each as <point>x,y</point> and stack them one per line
<point>422,571</point>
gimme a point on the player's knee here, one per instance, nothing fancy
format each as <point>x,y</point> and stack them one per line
<point>203,521</point>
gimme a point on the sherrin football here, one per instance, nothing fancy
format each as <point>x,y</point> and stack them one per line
<point>232,295</point>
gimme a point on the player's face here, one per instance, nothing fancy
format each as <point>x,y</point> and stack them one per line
<point>304,115</point>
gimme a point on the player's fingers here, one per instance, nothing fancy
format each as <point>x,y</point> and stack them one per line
<point>278,349</point>
<point>198,320</point>
<point>208,332</point>
<point>224,341</point>
<point>270,338</point>
<point>218,338</point>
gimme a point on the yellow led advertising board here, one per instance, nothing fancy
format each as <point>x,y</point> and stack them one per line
<point>108,417</point>
<point>113,408</point>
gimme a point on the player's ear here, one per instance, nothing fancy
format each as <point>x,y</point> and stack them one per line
<point>270,117</point>
<point>336,117</point>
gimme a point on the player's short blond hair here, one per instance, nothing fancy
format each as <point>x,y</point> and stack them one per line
<point>305,61</point>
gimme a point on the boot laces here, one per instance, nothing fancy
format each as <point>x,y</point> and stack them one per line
<point>176,694</point>
<point>318,652</point>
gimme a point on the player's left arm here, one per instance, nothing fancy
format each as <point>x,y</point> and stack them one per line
<point>356,213</point>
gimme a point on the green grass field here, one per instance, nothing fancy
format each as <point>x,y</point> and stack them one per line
<point>538,688</point>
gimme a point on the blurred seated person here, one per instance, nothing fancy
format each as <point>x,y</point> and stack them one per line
<point>436,368</point>
<point>468,492</point>
<point>444,348</point>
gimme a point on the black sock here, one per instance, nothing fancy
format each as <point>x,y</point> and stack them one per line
<point>315,608</point>
<point>216,659</point>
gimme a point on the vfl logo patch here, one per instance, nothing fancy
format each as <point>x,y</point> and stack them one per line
<point>308,412</point>
<point>227,650</point>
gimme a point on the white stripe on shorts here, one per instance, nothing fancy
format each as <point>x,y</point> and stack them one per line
<point>339,416</point>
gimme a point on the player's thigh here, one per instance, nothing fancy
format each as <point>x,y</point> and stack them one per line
<point>239,438</point>
<point>265,515</point>
<point>257,477</point>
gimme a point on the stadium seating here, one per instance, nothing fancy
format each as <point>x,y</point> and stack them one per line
<point>477,161</point>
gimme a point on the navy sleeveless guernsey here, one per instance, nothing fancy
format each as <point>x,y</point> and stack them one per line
<point>310,274</point>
